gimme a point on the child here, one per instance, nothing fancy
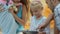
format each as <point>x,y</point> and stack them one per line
<point>38,19</point>
<point>7,21</point>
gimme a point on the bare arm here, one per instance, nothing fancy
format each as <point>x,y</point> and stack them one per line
<point>47,21</point>
<point>17,18</point>
<point>24,13</point>
<point>42,32</point>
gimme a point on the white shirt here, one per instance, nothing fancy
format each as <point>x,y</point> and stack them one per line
<point>35,23</point>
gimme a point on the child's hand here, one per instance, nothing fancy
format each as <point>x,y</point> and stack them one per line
<point>42,32</point>
<point>41,27</point>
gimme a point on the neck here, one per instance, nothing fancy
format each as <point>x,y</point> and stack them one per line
<point>38,16</point>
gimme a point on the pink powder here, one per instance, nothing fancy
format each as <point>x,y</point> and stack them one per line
<point>4,2</point>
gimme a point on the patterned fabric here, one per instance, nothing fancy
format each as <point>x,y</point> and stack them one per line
<point>1,7</point>
<point>57,15</point>
<point>35,23</point>
<point>7,21</point>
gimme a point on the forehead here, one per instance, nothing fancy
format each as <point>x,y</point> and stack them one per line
<point>35,10</point>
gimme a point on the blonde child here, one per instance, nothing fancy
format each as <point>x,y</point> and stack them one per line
<point>38,19</point>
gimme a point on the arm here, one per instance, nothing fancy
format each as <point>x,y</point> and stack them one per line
<point>17,18</point>
<point>42,32</point>
<point>24,13</point>
<point>47,21</point>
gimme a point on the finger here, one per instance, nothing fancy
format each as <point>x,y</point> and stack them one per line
<point>39,27</point>
<point>39,32</point>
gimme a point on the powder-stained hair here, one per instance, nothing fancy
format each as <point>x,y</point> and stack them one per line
<point>36,5</point>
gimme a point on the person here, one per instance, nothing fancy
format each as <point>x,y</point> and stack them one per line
<point>54,6</point>
<point>37,18</point>
<point>20,15</point>
<point>24,11</point>
<point>7,22</point>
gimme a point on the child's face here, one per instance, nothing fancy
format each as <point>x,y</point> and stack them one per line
<point>37,12</point>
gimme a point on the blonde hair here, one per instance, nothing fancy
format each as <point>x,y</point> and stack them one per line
<point>36,5</point>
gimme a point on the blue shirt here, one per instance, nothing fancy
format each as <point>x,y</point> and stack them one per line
<point>19,14</point>
<point>57,16</point>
